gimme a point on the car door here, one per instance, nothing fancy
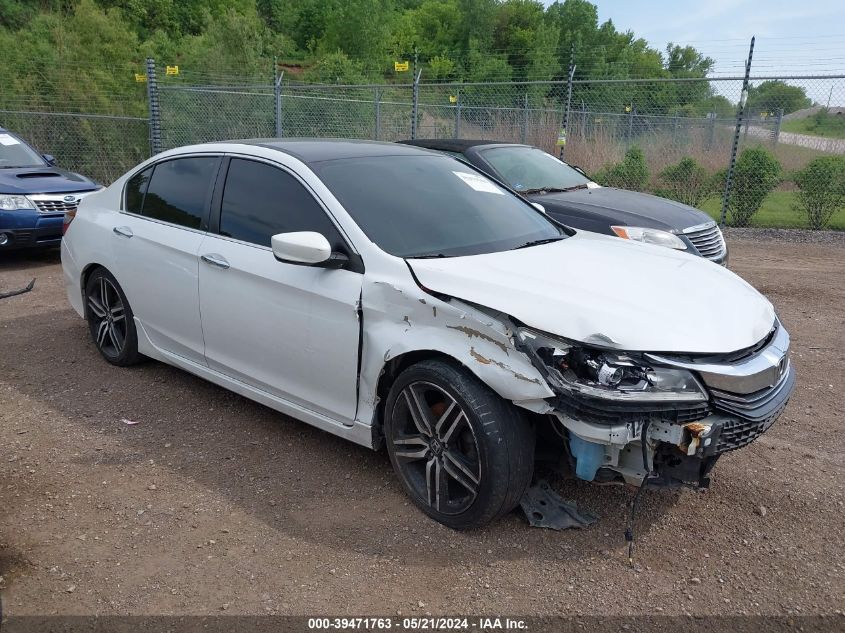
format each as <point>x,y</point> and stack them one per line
<point>156,239</point>
<point>287,329</point>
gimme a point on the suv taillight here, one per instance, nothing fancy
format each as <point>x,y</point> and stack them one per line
<point>69,215</point>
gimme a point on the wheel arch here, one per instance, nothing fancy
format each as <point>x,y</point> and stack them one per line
<point>85,275</point>
<point>390,372</point>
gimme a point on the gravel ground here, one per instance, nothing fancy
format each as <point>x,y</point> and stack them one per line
<point>213,504</point>
<point>793,236</point>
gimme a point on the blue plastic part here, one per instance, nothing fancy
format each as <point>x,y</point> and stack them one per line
<point>588,457</point>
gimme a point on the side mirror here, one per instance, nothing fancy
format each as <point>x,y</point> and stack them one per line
<point>539,207</point>
<point>51,160</point>
<point>306,248</point>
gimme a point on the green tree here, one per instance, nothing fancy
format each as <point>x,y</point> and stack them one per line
<point>774,94</point>
<point>440,68</point>
<point>361,29</point>
<point>337,68</point>
<point>821,189</point>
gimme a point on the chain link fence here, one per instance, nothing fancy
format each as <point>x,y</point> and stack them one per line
<point>674,138</point>
<point>678,138</point>
<point>99,146</point>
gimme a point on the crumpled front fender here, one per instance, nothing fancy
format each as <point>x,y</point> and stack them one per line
<point>400,318</point>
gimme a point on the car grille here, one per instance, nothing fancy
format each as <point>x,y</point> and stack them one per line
<point>738,433</point>
<point>602,412</point>
<point>707,239</point>
<point>755,412</point>
<point>55,205</point>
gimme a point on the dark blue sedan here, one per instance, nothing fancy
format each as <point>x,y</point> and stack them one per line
<point>34,195</point>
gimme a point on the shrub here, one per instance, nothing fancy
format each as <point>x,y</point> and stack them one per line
<point>630,173</point>
<point>757,172</point>
<point>821,189</point>
<point>686,182</point>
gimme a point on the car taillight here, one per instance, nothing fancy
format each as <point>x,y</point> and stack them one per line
<point>69,215</point>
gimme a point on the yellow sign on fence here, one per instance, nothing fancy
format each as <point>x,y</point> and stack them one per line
<point>561,138</point>
<point>139,77</point>
<point>453,99</point>
<point>171,70</point>
<point>401,67</point>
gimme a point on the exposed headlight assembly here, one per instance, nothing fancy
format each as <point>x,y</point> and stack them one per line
<point>9,202</point>
<point>650,236</point>
<point>607,374</point>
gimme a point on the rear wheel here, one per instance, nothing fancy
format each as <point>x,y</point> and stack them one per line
<point>464,455</point>
<point>110,319</point>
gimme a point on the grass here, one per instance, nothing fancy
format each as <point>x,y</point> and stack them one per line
<point>777,212</point>
<point>820,124</point>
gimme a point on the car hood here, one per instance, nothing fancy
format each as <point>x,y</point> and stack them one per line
<point>623,207</point>
<point>47,179</point>
<point>610,292</point>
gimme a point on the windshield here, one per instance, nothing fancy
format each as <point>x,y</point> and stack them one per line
<point>15,153</point>
<point>528,168</point>
<point>432,206</point>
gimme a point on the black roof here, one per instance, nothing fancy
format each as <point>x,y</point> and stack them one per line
<point>452,144</point>
<point>312,150</point>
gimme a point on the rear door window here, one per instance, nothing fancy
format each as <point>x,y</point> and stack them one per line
<point>179,190</point>
<point>136,187</point>
<point>260,200</point>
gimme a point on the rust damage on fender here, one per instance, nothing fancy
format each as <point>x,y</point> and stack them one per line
<point>470,332</point>
<point>489,361</point>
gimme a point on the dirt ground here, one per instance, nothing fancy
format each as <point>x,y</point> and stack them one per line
<point>212,503</point>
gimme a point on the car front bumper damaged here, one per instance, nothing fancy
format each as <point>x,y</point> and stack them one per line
<point>746,392</point>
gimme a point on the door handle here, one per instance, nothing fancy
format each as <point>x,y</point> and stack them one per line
<point>215,260</point>
<point>123,231</point>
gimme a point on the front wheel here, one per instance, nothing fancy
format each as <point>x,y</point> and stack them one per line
<point>463,455</point>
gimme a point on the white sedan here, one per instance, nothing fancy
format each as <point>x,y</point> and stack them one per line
<point>391,295</point>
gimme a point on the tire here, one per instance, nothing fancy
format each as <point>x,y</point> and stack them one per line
<point>110,319</point>
<point>464,455</point>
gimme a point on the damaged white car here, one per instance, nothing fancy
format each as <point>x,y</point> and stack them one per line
<point>395,296</point>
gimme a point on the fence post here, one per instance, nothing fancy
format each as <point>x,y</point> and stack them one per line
<point>737,129</point>
<point>583,120</point>
<point>277,101</point>
<point>630,127</point>
<point>776,133</point>
<point>415,105</point>
<point>154,107</point>
<point>568,103</point>
<point>711,131</point>
<point>377,98</point>
<point>458,113</point>
<point>525,118</point>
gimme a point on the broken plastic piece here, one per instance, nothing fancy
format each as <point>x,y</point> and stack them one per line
<point>15,293</point>
<point>128,421</point>
<point>545,508</point>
